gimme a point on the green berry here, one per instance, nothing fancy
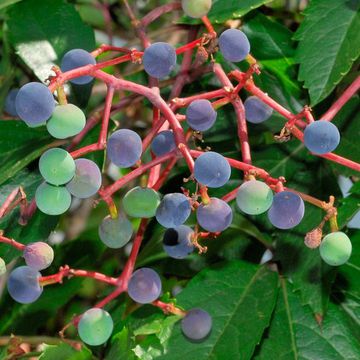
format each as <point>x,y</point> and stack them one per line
<point>196,8</point>
<point>335,248</point>
<point>254,197</point>
<point>57,166</point>
<point>95,326</point>
<point>52,200</point>
<point>66,121</point>
<point>141,202</point>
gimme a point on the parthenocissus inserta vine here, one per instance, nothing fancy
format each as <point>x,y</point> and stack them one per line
<point>67,173</point>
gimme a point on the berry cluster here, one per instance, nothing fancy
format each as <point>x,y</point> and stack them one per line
<point>67,174</point>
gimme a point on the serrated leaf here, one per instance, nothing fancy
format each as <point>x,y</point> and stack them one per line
<point>295,334</point>
<point>223,10</point>
<point>329,44</point>
<point>42,31</point>
<point>64,351</point>
<point>240,298</point>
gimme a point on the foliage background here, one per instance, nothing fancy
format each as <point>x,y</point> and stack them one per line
<point>307,310</point>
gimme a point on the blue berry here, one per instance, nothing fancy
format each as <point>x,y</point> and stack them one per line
<point>124,148</point>
<point>215,216</point>
<point>321,137</point>
<point>77,58</point>
<point>200,115</point>
<point>287,210</point>
<point>23,285</point>
<point>159,60</point>
<point>173,210</point>
<point>177,241</point>
<point>163,143</point>
<point>212,169</point>
<point>34,103</point>
<point>256,111</point>
<point>144,286</point>
<point>234,45</point>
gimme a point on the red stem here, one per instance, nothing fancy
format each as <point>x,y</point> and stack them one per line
<point>157,12</point>
<point>342,100</point>
<point>12,243</point>
<point>130,264</point>
<point>68,272</point>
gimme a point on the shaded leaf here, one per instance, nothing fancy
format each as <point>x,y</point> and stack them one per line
<point>227,292</point>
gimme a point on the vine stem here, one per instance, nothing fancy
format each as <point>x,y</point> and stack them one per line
<point>66,271</point>
<point>169,308</point>
<point>343,99</point>
<point>12,242</point>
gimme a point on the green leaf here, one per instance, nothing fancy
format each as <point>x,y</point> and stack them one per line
<point>64,351</point>
<point>223,10</point>
<point>121,345</point>
<point>240,297</point>
<point>295,334</point>
<point>347,290</point>
<point>6,3</point>
<point>308,273</point>
<point>329,44</point>
<point>42,31</point>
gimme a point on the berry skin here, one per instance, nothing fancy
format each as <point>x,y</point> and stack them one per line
<point>52,200</point>
<point>173,210</point>
<point>2,267</point>
<point>212,169</point>
<point>200,115</point>
<point>87,179</point>
<point>196,8</point>
<point>95,326</point>
<point>23,285</point>
<point>321,137</point>
<point>141,202</point>
<point>234,45</point>
<point>10,106</point>
<point>256,111</point>
<point>177,242</point>
<point>144,286</point>
<point>163,143</point>
<point>196,325</point>
<point>215,216</point>
<point>115,233</point>
<point>254,197</point>
<point>38,255</point>
<point>159,60</point>
<point>57,166</point>
<point>287,210</point>
<point>77,58</point>
<point>34,103</point>
<point>124,148</point>
<point>335,248</point>
<point>66,121</point>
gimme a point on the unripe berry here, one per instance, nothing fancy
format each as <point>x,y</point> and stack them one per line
<point>335,249</point>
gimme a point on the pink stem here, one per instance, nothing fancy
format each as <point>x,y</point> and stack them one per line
<point>12,243</point>
<point>68,272</point>
<point>342,100</point>
<point>157,12</point>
